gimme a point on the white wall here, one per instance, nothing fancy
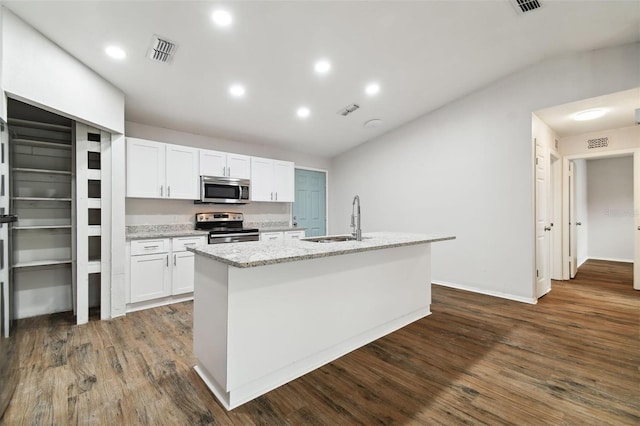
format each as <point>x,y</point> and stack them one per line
<point>580,173</point>
<point>610,204</point>
<point>624,138</point>
<point>466,169</point>
<point>37,71</point>
<point>155,212</point>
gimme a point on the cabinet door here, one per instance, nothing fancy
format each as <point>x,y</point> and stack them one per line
<point>183,272</point>
<point>150,277</point>
<point>284,181</point>
<point>261,179</point>
<point>239,166</point>
<point>213,163</point>
<point>145,169</point>
<point>183,172</point>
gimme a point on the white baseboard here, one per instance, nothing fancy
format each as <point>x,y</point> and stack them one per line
<point>611,259</point>
<point>581,262</point>
<point>530,301</point>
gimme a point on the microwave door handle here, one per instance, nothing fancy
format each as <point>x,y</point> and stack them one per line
<point>240,195</point>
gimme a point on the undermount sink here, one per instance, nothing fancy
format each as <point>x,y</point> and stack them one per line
<point>330,239</point>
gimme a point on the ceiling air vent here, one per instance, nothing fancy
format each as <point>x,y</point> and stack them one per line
<point>161,50</point>
<point>524,6</point>
<point>348,109</point>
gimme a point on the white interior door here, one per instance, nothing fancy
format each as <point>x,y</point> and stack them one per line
<point>543,279</point>
<point>573,240</point>
<point>636,202</point>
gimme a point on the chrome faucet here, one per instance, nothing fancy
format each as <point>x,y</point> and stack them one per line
<point>357,232</point>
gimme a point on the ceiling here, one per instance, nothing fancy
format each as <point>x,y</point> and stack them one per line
<point>619,111</point>
<point>423,54</point>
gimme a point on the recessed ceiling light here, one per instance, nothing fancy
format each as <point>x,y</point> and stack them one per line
<point>115,52</point>
<point>373,123</point>
<point>322,66</point>
<point>372,89</point>
<point>237,90</point>
<point>303,112</point>
<point>222,18</point>
<point>589,114</point>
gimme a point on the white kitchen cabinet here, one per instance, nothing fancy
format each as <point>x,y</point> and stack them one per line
<point>145,168</point>
<point>272,180</point>
<point>182,276</point>
<point>161,268</point>
<point>271,236</point>
<point>294,235</point>
<point>183,172</point>
<point>282,235</point>
<point>150,274</point>
<point>159,170</point>
<point>217,163</point>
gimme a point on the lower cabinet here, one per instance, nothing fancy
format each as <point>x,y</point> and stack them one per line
<point>280,235</point>
<point>160,269</point>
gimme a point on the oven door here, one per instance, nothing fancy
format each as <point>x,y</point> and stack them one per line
<point>224,190</point>
<point>233,238</point>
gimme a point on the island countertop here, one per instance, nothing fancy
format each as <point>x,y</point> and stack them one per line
<point>260,253</point>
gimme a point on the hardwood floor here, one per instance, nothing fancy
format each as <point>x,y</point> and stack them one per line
<point>573,358</point>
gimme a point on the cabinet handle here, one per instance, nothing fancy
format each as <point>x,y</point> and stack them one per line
<point>169,191</point>
<point>161,190</point>
<point>272,196</point>
<point>174,259</point>
<point>229,171</point>
<point>276,196</point>
<point>190,244</point>
<point>150,247</point>
<point>167,261</point>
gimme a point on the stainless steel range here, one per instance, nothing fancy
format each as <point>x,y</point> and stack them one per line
<point>225,227</point>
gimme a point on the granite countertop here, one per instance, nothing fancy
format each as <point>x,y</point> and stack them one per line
<point>140,232</point>
<point>259,253</point>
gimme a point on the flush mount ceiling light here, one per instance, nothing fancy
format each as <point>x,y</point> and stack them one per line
<point>115,52</point>
<point>372,89</point>
<point>237,90</point>
<point>221,18</point>
<point>303,112</point>
<point>590,114</point>
<point>322,66</point>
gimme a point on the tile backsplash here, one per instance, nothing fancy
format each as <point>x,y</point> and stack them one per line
<point>167,212</point>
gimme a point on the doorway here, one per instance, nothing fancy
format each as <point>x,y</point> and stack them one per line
<point>310,205</point>
<point>575,214</point>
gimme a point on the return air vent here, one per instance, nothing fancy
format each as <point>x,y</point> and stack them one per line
<point>597,143</point>
<point>524,6</point>
<point>348,109</point>
<point>161,50</point>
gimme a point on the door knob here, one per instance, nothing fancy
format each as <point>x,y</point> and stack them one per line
<point>578,223</point>
<point>547,228</point>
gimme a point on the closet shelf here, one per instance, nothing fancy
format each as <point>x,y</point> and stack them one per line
<point>42,227</point>
<point>40,199</point>
<point>39,125</point>
<point>42,144</point>
<point>44,171</point>
<point>41,263</point>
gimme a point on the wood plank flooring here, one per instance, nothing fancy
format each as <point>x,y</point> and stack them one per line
<point>574,358</point>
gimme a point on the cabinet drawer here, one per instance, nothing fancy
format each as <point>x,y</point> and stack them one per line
<point>271,236</point>
<point>181,243</point>
<point>149,246</point>
<point>294,235</point>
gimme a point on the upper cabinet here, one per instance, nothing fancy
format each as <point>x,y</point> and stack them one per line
<point>272,180</point>
<point>159,170</point>
<point>217,163</point>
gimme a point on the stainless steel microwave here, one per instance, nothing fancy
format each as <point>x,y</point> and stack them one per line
<point>224,190</point>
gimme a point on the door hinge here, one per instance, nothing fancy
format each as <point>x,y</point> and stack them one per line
<point>536,161</point>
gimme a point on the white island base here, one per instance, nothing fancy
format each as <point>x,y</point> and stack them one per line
<point>257,328</point>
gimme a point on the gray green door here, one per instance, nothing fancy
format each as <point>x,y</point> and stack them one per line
<point>309,208</point>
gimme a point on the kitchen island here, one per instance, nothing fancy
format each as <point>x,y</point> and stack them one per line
<point>266,313</point>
